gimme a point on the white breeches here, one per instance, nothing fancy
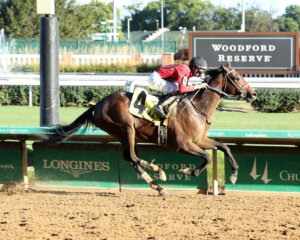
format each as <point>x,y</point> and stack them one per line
<point>155,82</point>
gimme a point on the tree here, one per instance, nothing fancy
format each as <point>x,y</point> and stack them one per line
<point>19,18</point>
<point>293,12</point>
<point>143,19</point>
<point>189,14</point>
<point>177,13</point>
<point>287,24</point>
<point>74,20</point>
<point>226,19</point>
<point>258,20</point>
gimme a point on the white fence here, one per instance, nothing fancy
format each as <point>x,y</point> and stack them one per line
<point>22,59</point>
<point>19,59</point>
<point>115,59</point>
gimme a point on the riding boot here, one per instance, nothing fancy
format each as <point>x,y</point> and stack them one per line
<point>160,108</point>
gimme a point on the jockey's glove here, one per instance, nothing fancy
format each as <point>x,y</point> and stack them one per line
<point>201,85</point>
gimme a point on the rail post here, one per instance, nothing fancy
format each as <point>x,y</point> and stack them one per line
<point>24,164</point>
<point>215,173</point>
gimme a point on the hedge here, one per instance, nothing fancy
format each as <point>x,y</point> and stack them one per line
<point>69,96</point>
<point>277,100</point>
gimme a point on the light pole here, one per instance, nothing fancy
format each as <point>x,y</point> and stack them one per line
<point>128,28</point>
<point>182,30</point>
<point>243,16</point>
<point>162,25</point>
<point>115,38</point>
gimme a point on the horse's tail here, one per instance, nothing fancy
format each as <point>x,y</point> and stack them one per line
<point>62,133</point>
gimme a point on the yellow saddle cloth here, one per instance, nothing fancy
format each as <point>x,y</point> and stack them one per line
<point>142,104</point>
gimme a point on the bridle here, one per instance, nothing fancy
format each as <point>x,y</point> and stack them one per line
<point>240,90</point>
<point>242,93</point>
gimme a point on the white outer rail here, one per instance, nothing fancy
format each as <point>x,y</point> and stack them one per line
<point>115,79</point>
<point>128,80</point>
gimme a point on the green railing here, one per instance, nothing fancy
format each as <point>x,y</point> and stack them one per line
<point>213,133</point>
<point>32,46</point>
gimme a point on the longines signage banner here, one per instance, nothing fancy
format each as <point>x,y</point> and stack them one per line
<point>249,53</point>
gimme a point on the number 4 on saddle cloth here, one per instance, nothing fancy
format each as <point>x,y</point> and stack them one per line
<point>142,104</point>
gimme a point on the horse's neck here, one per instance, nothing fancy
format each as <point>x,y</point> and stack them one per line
<point>209,100</point>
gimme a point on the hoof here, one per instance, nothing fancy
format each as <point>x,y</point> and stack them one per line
<point>162,175</point>
<point>154,167</point>
<point>163,193</point>
<point>233,178</point>
<point>185,171</point>
<point>203,191</point>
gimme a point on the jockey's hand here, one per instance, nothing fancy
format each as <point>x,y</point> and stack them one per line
<point>201,85</point>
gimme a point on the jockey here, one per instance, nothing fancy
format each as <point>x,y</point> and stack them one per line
<point>174,78</point>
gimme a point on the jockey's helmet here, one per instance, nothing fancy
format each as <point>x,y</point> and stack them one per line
<point>198,62</point>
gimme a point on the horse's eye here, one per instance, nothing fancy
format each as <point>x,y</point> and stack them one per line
<point>237,79</point>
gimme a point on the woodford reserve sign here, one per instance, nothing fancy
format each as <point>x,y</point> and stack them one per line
<point>249,53</point>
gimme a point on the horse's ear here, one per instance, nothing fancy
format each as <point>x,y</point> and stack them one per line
<point>225,68</point>
<point>229,64</point>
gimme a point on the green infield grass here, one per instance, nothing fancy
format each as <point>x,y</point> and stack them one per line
<point>235,115</point>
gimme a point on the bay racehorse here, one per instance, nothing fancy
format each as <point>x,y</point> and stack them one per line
<point>188,124</point>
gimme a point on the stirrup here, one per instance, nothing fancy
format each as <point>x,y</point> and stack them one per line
<point>160,111</point>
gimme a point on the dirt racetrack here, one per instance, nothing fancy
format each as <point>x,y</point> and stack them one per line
<point>108,214</point>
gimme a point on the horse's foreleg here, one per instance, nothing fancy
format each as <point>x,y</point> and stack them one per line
<point>193,149</point>
<point>210,143</point>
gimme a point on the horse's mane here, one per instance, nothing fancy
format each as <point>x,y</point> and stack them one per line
<point>214,71</point>
<point>211,73</point>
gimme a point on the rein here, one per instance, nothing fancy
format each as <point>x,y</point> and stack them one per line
<point>208,118</point>
<point>219,92</point>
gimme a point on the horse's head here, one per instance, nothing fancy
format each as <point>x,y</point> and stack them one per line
<point>236,85</point>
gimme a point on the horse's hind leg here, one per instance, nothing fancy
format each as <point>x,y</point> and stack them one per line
<point>128,141</point>
<point>148,179</point>
<point>152,167</point>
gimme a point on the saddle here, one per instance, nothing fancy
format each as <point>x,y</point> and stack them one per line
<point>142,104</point>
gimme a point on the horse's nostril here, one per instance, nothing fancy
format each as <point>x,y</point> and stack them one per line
<point>254,94</point>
